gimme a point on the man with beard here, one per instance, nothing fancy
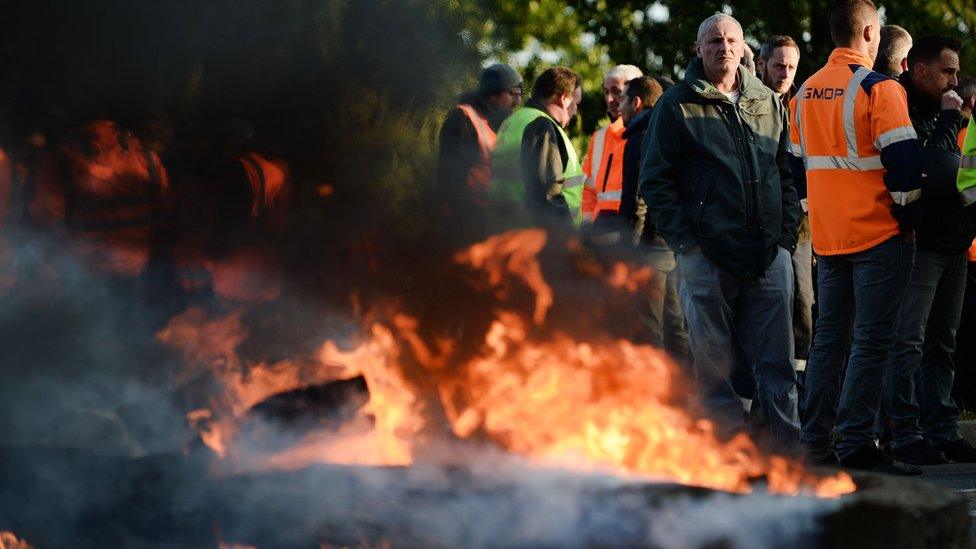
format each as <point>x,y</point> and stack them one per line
<point>779,57</point>
<point>605,158</point>
<point>660,319</point>
<point>467,140</point>
<point>918,379</point>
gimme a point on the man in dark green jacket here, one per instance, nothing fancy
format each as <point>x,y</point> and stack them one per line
<point>716,180</point>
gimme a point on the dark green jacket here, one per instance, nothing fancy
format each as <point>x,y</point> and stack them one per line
<point>716,175</point>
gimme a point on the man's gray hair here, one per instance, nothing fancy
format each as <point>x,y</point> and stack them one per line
<point>713,20</point>
<point>627,72</point>
<point>893,47</point>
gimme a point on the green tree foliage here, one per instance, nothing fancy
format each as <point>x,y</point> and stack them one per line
<point>950,17</point>
<point>658,35</point>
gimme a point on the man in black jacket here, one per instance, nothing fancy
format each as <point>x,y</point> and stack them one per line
<point>660,319</point>
<point>926,429</point>
<point>716,180</point>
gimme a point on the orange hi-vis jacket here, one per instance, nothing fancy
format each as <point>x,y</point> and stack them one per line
<point>861,160</point>
<point>270,189</point>
<point>604,169</point>
<point>113,187</point>
<point>479,177</point>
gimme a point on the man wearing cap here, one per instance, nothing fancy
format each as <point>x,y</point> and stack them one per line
<point>467,139</point>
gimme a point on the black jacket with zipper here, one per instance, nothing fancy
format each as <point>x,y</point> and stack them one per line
<point>715,174</point>
<point>946,226</point>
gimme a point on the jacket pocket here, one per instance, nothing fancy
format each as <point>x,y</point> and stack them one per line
<point>704,188</point>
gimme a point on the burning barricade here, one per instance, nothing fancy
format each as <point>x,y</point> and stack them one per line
<point>600,405</point>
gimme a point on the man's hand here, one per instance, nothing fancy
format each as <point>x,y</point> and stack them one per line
<point>951,101</point>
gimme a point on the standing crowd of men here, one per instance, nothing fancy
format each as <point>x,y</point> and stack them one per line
<point>736,188</point>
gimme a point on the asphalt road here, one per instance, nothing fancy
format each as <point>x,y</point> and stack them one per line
<point>960,477</point>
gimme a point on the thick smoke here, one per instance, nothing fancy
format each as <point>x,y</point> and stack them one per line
<point>95,448</point>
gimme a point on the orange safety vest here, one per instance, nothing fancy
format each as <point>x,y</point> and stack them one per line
<point>961,138</point>
<point>604,169</point>
<point>479,177</point>
<point>841,118</point>
<point>269,188</point>
<point>110,196</point>
<point>971,253</point>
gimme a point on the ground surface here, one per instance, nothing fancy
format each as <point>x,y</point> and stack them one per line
<point>960,477</point>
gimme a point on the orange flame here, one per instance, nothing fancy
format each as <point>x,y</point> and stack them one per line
<point>600,404</point>
<point>10,541</point>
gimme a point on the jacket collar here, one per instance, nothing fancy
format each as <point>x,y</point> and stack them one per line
<point>617,127</point>
<point>639,122</point>
<point>749,86</point>
<point>919,101</point>
<point>847,56</point>
<point>537,104</point>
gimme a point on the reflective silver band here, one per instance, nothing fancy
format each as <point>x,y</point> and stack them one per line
<point>968,196</point>
<point>574,181</point>
<point>867,163</point>
<point>891,137</point>
<point>609,195</point>
<point>850,100</point>
<point>968,161</point>
<point>599,138</point>
<point>907,197</point>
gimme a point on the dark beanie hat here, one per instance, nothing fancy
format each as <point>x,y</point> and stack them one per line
<point>498,78</point>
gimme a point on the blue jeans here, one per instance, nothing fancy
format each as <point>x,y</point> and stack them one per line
<point>920,364</point>
<point>859,294</point>
<point>758,312</point>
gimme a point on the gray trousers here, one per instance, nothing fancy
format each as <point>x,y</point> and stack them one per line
<point>803,299</point>
<point>758,311</point>
<point>660,318</point>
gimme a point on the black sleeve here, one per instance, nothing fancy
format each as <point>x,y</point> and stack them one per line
<point>902,162</point>
<point>791,204</point>
<point>630,186</point>
<point>544,158</point>
<point>232,209</point>
<point>459,151</point>
<point>940,158</point>
<point>660,166</point>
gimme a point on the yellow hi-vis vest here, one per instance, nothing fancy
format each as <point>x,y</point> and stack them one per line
<point>507,184</point>
<point>966,180</point>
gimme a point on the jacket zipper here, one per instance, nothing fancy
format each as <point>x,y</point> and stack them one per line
<point>750,186</point>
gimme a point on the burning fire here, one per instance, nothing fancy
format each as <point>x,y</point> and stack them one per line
<point>602,404</point>
<point>10,541</point>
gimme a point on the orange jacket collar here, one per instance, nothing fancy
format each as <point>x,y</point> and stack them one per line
<point>617,127</point>
<point>847,56</point>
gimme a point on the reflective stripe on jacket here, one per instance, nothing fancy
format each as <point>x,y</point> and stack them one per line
<point>113,187</point>
<point>479,177</point>
<point>268,181</point>
<point>603,167</point>
<point>850,125</point>
<point>507,180</point>
<point>966,180</point>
